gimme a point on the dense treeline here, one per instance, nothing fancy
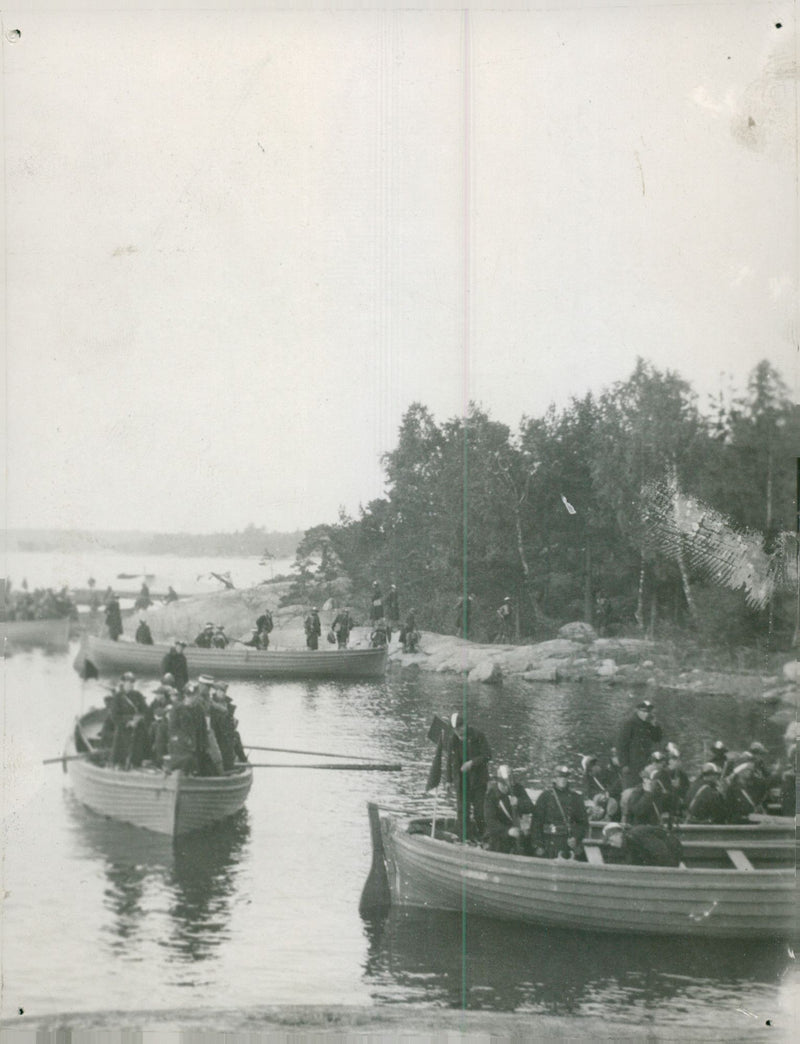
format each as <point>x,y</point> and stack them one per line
<point>554,514</point>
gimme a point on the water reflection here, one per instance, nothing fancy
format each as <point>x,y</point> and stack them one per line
<point>193,880</point>
<point>432,956</point>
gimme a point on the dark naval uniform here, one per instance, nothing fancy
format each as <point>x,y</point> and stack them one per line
<point>470,785</point>
<point>705,803</point>
<point>503,811</point>
<point>637,740</point>
<point>558,816</point>
<point>174,663</point>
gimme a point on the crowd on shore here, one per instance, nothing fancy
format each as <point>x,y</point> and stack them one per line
<point>43,603</point>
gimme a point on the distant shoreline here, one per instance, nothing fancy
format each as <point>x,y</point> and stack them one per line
<point>253,541</point>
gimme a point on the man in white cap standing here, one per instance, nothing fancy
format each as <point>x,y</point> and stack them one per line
<point>468,755</point>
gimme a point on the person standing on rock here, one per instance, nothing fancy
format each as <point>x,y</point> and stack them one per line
<point>376,603</point>
<point>113,617</point>
<point>639,737</point>
<point>174,663</point>
<point>393,607</point>
<point>504,614</point>
<point>409,635</point>
<point>464,607</point>
<point>313,628</point>
<point>467,769</point>
<point>341,627</point>
<point>143,633</point>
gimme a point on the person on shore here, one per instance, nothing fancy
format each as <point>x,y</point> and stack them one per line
<point>174,663</point>
<point>205,637</point>
<point>409,635</point>
<point>143,599</point>
<point>705,802</point>
<point>113,617</point>
<point>143,633</point>
<point>559,822</point>
<point>506,803</point>
<point>341,627</point>
<point>313,628</point>
<point>380,634</point>
<point>640,846</point>
<point>376,611</point>
<point>467,769</point>
<point>638,738</point>
<point>264,626</point>
<point>464,608</point>
<point>170,596</point>
<point>504,615</point>
<point>393,607</point>
<point>220,639</point>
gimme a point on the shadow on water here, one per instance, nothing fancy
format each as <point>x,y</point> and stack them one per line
<point>192,877</point>
<point>430,956</point>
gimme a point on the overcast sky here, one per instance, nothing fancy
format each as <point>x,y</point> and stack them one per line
<point>240,245</point>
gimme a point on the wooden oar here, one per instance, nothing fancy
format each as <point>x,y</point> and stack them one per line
<point>72,757</point>
<point>325,765</point>
<point>316,753</point>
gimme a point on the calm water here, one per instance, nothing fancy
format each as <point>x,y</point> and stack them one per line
<point>264,909</point>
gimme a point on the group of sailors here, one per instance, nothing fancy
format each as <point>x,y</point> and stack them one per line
<point>192,727</point>
<point>43,603</point>
<point>642,790</point>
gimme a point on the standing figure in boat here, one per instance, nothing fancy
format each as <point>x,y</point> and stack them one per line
<point>220,639</point>
<point>507,802</point>
<point>559,822</point>
<point>206,636</point>
<point>467,769</point>
<point>313,628</point>
<point>341,627</point>
<point>174,663</point>
<point>639,737</point>
<point>184,731</point>
<point>143,634</point>
<point>113,617</point>
<point>130,716</point>
<point>376,603</point>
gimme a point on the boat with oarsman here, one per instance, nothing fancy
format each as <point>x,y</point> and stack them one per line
<point>237,661</point>
<point>166,802</point>
<point>735,886</point>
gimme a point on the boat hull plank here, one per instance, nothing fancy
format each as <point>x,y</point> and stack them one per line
<point>710,902</point>
<point>239,662</point>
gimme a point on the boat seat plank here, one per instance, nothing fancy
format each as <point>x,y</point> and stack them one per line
<point>739,859</point>
<point>594,855</point>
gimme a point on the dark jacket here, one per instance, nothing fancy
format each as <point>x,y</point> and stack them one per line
<point>501,813</point>
<point>477,751</point>
<point>174,663</point>
<point>705,803</point>
<point>143,635</point>
<point>645,846</point>
<point>637,740</point>
<point>559,814</point>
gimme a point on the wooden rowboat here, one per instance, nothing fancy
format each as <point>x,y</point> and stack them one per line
<point>167,803</point>
<point>238,661</point>
<point>53,633</point>
<point>718,891</point>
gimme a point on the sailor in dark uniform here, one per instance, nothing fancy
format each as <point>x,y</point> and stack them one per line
<point>204,639</point>
<point>559,821</point>
<point>506,803</point>
<point>174,663</point>
<point>313,628</point>
<point>467,769</point>
<point>705,802</point>
<point>638,738</point>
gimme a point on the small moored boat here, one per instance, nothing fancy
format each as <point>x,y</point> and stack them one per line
<point>53,633</point>
<point>167,803</point>
<point>238,661</point>
<point>722,889</point>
